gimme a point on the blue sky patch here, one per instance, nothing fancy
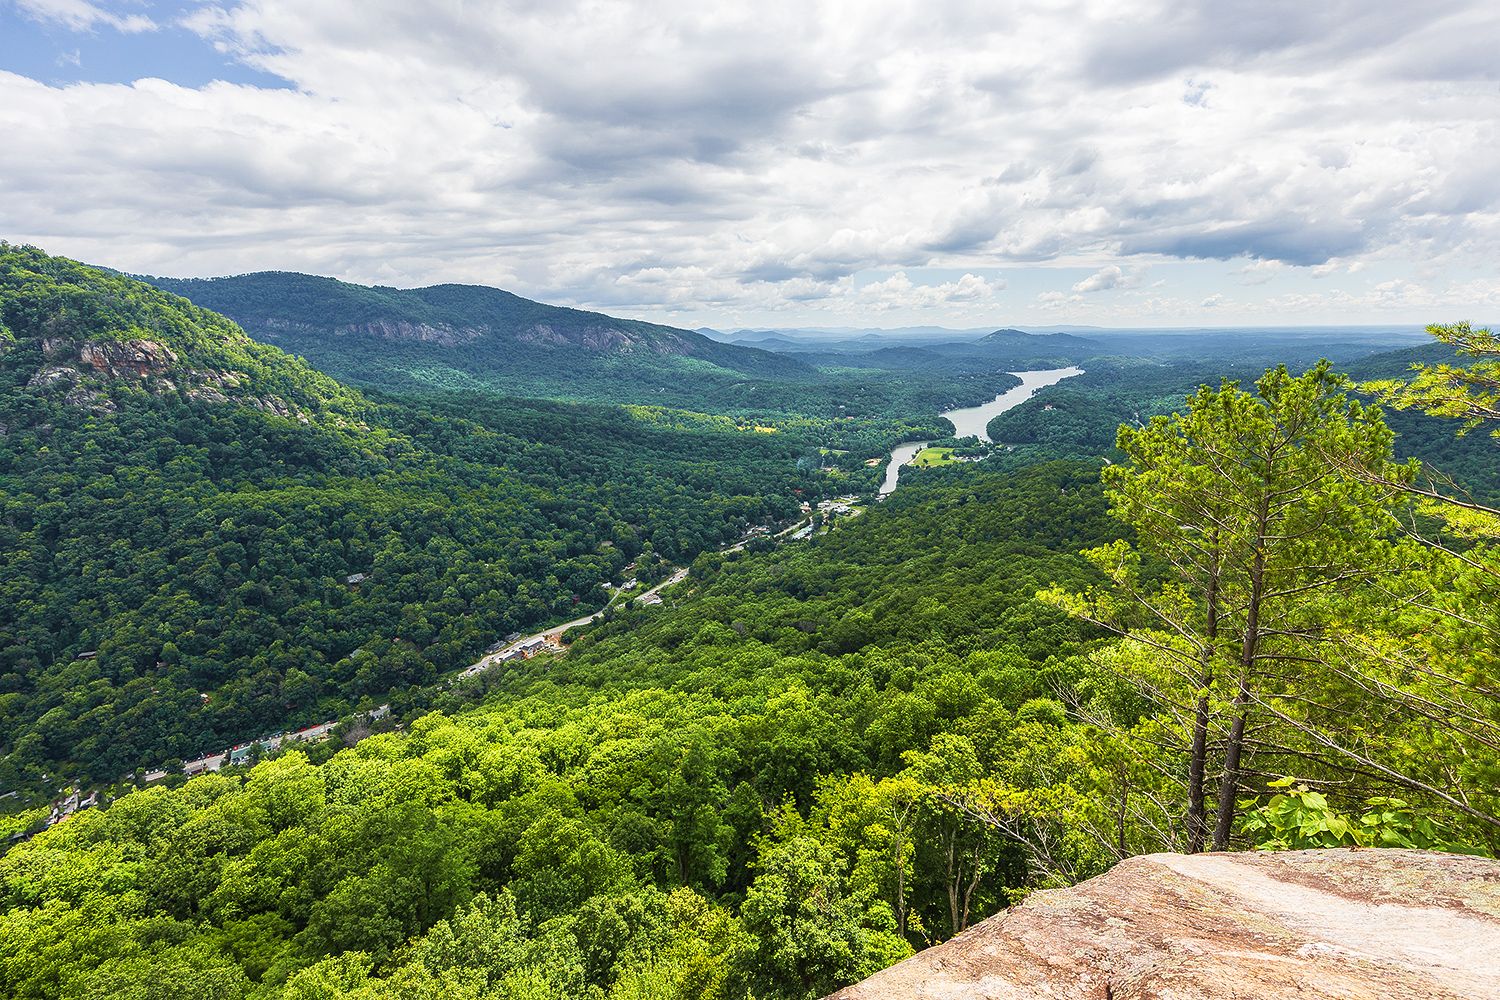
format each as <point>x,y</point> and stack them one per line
<point>58,51</point>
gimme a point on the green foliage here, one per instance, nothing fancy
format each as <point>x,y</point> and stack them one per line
<point>676,810</point>
<point>813,760</point>
<point>1082,416</point>
<point>1470,392</point>
<point>289,570</point>
<point>1297,818</point>
<point>51,304</point>
<point>1268,588</point>
<point>470,338</point>
<point>805,935</point>
<point>488,321</point>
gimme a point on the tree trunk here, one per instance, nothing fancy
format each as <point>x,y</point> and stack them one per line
<point>1229,782</point>
<point>900,889</point>
<point>952,881</point>
<point>1197,819</point>
<point>976,872</point>
<point>1123,811</point>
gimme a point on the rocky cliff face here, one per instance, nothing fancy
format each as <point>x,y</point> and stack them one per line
<point>83,370</point>
<point>396,331</point>
<point>1394,925</point>
<point>597,338</point>
<point>602,339</point>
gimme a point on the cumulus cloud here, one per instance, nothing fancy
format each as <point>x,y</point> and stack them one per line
<point>656,156</point>
<point>900,292</point>
<point>1058,301</point>
<point>1261,272</point>
<point>1110,276</point>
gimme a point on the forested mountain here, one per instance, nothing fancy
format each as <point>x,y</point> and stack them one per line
<point>203,539</point>
<point>1056,343</point>
<point>471,338</point>
<point>823,758</point>
<point>1253,626</point>
<point>1082,416</point>
<point>1009,350</point>
<point>306,310</point>
<point>695,804</point>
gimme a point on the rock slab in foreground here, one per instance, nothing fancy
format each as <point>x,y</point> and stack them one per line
<point>1339,924</point>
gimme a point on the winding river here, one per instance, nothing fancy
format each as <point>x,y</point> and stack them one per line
<point>973,420</point>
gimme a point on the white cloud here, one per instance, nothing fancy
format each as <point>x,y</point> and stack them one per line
<point>1260,272</point>
<point>899,292</point>
<point>1111,276</point>
<point>664,156</point>
<point>1054,301</point>
<point>1337,265</point>
<point>80,15</point>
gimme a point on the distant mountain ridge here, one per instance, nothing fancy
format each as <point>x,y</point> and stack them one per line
<point>307,312</point>
<point>1054,341</point>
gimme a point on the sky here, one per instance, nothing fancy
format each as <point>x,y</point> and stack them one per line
<point>840,163</point>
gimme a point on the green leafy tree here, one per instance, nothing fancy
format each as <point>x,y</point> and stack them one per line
<point>1252,503</point>
<point>806,935</point>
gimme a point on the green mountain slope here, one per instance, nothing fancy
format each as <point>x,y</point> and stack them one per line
<point>467,337</point>
<point>810,762</point>
<point>94,332</point>
<point>699,805</point>
<point>471,328</point>
<point>192,509</point>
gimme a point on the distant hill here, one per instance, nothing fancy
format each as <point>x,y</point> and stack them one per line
<point>772,343</point>
<point>1002,349</point>
<point>1020,339</point>
<point>448,338</point>
<point>456,336</point>
<point>888,335</point>
<point>1397,364</point>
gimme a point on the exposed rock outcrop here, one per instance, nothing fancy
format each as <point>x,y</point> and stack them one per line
<point>84,368</point>
<point>398,331</point>
<point>603,339</point>
<point>597,338</point>
<point>126,358</point>
<point>1394,925</point>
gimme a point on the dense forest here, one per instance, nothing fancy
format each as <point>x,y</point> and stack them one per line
<point>826,756</point>
<point>1181,613</point>
<point>198,548</point>
<point>1081,417</point>
<point>714,800</point>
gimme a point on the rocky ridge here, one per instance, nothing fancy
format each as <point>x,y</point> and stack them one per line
<point>1345,924</point>
<point>82,370</point>
<point>396,331</point>
<point>493,330</point>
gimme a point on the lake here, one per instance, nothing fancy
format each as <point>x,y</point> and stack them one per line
<point>973,420</point>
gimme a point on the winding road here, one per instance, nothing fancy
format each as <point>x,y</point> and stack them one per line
<point>552,635</point>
